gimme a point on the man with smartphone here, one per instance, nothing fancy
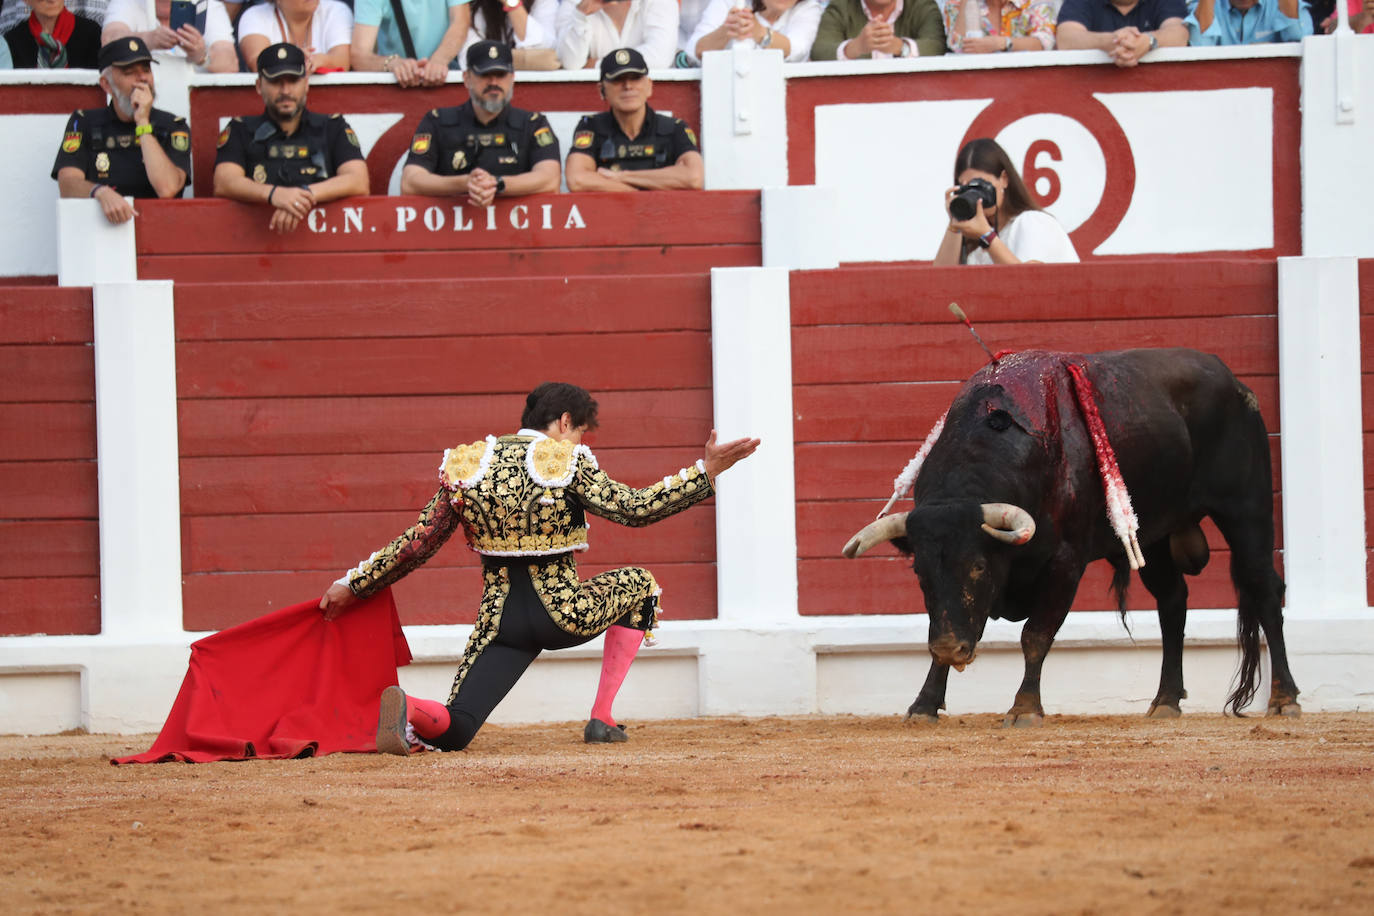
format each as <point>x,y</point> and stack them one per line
<point>289,158</point>
<point>129,148</point>
<point>486,146</point>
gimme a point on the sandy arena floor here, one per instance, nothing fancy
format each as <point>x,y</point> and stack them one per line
<point>776,815</point>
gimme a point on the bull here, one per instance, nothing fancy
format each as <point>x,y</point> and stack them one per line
<point>1016,496</point>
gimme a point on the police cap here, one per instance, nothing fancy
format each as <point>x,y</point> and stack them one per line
<point>490,57</point>
<point>281,59</point>
<point>122,52</point>
<point>623,62</point>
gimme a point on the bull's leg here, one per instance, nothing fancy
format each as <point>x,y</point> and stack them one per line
<point>1162,577</point>
<point>931,699</point>
<point>1259,599</point>
<point>1055,592</point>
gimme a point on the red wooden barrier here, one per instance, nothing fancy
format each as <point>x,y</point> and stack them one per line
<point>404,238</point>
<point>313,417</point>
<point>49,534</point>
<point>877,358</point>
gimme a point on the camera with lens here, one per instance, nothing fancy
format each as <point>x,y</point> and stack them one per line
<point>964,204</point>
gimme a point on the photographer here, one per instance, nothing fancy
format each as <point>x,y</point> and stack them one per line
<point>992,219</point>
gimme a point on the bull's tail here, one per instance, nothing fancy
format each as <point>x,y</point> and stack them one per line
<point>1121,583</point>
<point>1248,637</point>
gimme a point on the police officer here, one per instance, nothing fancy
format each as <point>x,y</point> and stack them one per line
<point>631,147</point>
<point>288,157</point>
<point>129,148</point>
<point>486,146</point>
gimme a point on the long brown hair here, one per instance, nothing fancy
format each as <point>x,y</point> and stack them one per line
<point>495,20</point>
<point>986,155</point>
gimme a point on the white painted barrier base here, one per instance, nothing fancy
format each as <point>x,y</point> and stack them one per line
<point>860,666</point>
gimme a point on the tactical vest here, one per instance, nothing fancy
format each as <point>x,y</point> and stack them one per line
<point>464,147</point>
<point>290,161</point>
<point>650,154</point>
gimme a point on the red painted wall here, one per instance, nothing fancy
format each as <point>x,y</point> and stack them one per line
<point>1367,400</point>
<point>877,358</point>
<point>313,413</point>
<point>49,534</point>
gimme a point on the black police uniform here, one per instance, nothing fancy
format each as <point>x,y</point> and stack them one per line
<point>313,153</point>
<point>661,141</point>
<point>451,141</point>
<point>106,151</point>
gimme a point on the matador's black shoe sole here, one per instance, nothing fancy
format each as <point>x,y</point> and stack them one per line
<point>391,723</point>
<point>598,732</point>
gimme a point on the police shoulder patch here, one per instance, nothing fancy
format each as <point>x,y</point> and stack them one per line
<point>352,137</point>
<point>582,139</point>
<point>691,136</point>
<point>223,137</point>
<point>71,142</point>
<point>181,141</point>
<point>420,145</point>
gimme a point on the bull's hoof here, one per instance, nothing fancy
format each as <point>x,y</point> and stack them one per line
<point>921,717</point>
<point>1291,710</point>
<point>1164,711</point>
<point>1023,720</point>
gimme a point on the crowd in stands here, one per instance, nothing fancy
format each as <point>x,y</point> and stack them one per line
<point>420,41</point>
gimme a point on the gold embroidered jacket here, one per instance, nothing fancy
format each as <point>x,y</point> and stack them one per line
<point>524,496</point>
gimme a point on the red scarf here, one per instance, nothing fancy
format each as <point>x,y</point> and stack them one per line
<point>52,47</point>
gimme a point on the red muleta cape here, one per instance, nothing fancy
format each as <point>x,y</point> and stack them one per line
<point>288,684</point>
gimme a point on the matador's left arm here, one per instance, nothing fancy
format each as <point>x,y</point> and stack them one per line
<point>437,522</point>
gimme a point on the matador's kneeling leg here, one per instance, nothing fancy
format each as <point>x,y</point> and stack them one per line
<point>427,719</point>
<point>622,642</point>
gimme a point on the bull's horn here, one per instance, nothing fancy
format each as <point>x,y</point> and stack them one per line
<point>1009,524</point>
<point>884,529</point>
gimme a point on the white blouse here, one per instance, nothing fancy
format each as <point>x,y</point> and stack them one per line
<point>1033,236</point>
<point>650,28</point>
<point>799,24</point>
<point>331,26</point>
<point>134,14</point>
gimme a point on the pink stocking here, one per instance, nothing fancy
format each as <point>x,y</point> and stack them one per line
<point>622,643</point>
<point>429,718</point>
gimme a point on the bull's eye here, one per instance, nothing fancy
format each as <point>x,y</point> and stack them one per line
<point>999,420</point>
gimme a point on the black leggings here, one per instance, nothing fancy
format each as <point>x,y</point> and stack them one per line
<point>526,630</point>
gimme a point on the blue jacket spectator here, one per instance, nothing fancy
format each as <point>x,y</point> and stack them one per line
<point>1248,22</point>
<point>1126,30</point>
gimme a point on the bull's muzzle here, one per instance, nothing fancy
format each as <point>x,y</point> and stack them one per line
<point>949,650</point>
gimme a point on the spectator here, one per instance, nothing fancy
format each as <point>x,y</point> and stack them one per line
<point>1361,18</point>
<point>212,52</point>
<point>1009,230</point>
<point>129,148</point>
<point>990,26</point>
<point>852,29</point>
<point>1126,29</point>
<point>6,62</point>
<point>1247,22</point>
<point>52,37</point>
<point>486,146</point>
<point>526,26</point>
<point>323,29</point>
<point>297,159</point>
<point>418,48</point>
<point>788,25</point>
<point>631,147</point>
<point>689,14</point>
<point>590,29</point>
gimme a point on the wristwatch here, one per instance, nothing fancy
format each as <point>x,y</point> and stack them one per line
<point>1154,43</point>
<point>1007,45</point>
<point>987,238</point>
<point>501,182</point>
<point>767,37</point>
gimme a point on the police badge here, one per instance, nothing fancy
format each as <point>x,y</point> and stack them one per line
<point>260,174</point>
<point>460,159</point>
<point>102,164</point>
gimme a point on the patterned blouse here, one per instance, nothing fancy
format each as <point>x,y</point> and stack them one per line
<point>1020,19</point>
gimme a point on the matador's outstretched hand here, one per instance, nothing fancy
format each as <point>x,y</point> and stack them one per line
<point>720,457</point>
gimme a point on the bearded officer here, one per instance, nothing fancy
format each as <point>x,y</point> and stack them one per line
<point>129,148</point>
<point>485,147</point>
<point>287,157</point>
<point>631,147</point>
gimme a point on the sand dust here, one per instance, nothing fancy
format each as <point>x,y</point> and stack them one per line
<point>1103,814</point>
